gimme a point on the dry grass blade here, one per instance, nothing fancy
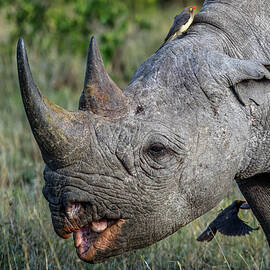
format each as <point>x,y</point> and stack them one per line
<point>221,250</point>
<point>26,251</point>
<point>46,260</point>
<point>244,261</point>
<point>48,240</point>
<point>254,263</point>
<point>7,249</point>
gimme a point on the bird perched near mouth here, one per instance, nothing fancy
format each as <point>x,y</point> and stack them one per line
<point>181,23</point>
<point>228,223</point>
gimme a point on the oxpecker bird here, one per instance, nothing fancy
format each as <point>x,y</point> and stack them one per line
<point>227,223</point>
<point>181,23</point>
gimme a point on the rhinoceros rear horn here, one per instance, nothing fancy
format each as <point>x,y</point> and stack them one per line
<point>54,128</point>
<point>100,95</point>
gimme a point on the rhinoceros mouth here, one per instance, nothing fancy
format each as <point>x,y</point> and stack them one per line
<point>97,238</point>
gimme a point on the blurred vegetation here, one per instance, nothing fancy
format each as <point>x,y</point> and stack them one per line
<point>56,34</point>
<point>66,25</point>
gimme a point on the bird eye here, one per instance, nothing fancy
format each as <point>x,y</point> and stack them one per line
<point>157,149</point>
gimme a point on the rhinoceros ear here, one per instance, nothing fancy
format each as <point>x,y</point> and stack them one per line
<point>250,80</point>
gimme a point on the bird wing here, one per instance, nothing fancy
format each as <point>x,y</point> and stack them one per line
<point>208,234</point>
<point>182,18</point>
<point>179,20</point>
<point>233,226</point>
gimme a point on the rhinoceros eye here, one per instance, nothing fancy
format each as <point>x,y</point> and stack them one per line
<point>157,149</point>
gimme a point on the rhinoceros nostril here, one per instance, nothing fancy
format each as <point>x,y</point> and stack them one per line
<point>73,209</point>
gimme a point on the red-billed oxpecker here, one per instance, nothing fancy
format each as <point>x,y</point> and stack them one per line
<point>181,23</point>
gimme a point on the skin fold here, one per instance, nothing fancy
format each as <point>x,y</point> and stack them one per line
<point>144,162</point>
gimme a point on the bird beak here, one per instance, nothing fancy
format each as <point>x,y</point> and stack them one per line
<point>245,206</point>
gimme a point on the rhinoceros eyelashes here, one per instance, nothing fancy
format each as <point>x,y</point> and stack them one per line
<point>100,95</point>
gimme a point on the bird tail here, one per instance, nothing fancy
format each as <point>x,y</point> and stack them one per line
<point>207,235</point>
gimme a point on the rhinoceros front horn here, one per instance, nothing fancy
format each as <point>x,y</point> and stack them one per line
<point>54,128</point>
<point>100,95</point>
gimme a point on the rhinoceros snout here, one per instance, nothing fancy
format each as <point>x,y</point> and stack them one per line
<point>91,236</point>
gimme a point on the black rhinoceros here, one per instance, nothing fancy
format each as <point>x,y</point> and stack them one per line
<point>130,168</point>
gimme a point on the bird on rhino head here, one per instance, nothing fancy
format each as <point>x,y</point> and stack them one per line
<point>130,168</point>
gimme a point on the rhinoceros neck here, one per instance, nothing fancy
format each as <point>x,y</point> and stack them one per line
<point>257,155</point>
<point>242,27</point>
<point>241,30</point>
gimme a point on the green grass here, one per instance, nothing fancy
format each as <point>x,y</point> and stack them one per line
<point>27,239</point>
<point>29,242</point>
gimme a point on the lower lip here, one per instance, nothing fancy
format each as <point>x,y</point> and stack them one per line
<point>89,242</point>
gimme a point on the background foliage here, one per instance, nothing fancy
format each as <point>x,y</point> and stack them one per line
<point>57,33</point>
<point>70,22</point>
<point>66,25</point>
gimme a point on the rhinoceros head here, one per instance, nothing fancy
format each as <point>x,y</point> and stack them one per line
<point>130,168</point>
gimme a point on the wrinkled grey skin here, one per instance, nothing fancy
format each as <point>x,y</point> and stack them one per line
<point>197,118</point>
